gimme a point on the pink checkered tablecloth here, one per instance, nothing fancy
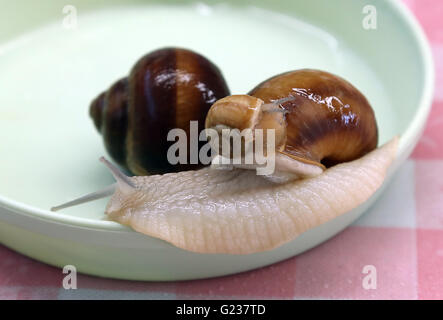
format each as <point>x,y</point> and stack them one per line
<point>407,223</point>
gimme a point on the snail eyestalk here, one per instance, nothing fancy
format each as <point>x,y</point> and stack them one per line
<point>106,192</point>
<point>124,184</point>
<point>123,180</point>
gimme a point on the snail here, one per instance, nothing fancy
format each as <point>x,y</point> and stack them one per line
<point>240,212</point>
<point>319,120</point>
<point>165,89</point>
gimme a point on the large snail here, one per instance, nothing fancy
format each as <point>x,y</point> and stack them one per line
<point>166,89</point>
<point>239,212</point>
<point>319,119</point>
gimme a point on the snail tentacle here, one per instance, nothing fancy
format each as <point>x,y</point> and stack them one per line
<point>124,184</point>
<point>106,192</point>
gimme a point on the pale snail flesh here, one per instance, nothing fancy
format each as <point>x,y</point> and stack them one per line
<point>319,120</point>
<point>238,212</point>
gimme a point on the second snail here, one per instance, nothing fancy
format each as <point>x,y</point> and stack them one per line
<point>326,160</point>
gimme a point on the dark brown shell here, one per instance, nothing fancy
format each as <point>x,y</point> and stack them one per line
<point>166,89</point>
<point>328,120</point>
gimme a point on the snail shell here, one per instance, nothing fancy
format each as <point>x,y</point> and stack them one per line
<point>166,89</point>
<point>320,119</point>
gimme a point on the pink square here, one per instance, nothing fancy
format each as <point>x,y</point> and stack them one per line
<point>90,282</point>
<point>343,268</point>
<point>28,293</point>
<point>276,281</point>
<point>24,278</point>
<point>429,193</point>
<point>430,145</point>
<point>410,4</point>
<point>430,13</point>
<point>437,52</point>
<point>430,263</point>
<point>17,270</point>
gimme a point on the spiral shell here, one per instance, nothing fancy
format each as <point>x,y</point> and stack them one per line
<point>165,90</point>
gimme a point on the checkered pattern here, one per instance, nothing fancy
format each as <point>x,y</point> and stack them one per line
<point>407,223</point>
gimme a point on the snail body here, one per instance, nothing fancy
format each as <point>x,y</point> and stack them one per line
<point>319,119</point>
<point>166,89</point>
<point>238,212</point>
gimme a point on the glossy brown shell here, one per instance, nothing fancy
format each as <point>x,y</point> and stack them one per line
<point>166,89</point>
<point>328,120</point>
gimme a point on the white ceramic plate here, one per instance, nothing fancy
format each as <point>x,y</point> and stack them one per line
<point>49,148</point>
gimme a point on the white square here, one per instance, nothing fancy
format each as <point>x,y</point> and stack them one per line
<point>396,205</point>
